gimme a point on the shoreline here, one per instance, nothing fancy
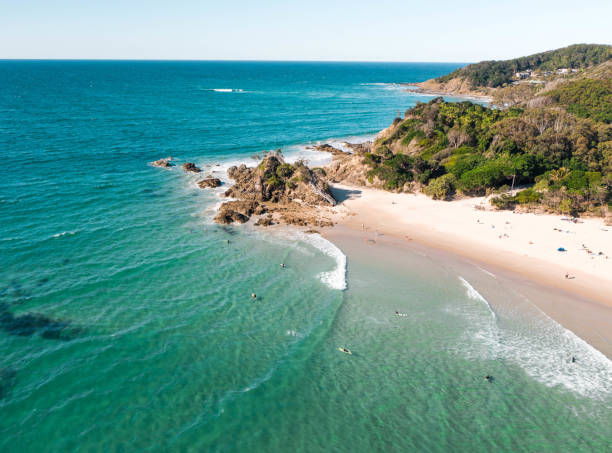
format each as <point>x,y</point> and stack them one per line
<point>427,91</point>
<point>580,304</point>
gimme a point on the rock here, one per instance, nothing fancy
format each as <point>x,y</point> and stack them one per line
<point>360,148</point>
<point>164,163</point>
<point>238,211</point>
<point>191,167</point>
<point>327,148</point>
<point>209,182</point>
<point>264,221</point>
<point>228,216</point>
<point>295,190</point>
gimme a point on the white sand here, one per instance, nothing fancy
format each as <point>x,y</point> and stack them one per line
<point>528,243</point>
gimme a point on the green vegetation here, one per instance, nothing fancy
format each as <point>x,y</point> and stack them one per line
<point>467,148</point>
<point>285,170</point>
<point>585,98</point>
<point>498,73</point>
<point>442,188</point>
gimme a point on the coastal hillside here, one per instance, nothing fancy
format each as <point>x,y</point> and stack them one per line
<point>561,159</point>
<point>562,61</point>
<point>525,74</point>
<point>543,146</point>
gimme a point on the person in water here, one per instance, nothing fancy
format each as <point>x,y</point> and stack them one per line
<point>489,378</point>
<point>573,359</point>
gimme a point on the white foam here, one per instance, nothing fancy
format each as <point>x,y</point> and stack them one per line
<point>475,295</point>
<point>315,158</point>
<point>336,278</point>
<point>540,346</point>
<point>64,233</point>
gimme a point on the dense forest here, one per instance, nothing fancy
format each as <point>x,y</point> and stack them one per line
<point>561,157</point>
<point>585,98</point>
<point>497,73</point>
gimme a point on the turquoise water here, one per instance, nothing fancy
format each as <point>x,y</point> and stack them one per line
<point>126,322</point>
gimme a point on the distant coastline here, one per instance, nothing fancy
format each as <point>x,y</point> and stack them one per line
<point>422,88</point>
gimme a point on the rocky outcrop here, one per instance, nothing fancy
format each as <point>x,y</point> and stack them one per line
<point>238,211</point>
<point>265,221</point>
<point>191,167</point>
<point>275,181</point>
<point>327,148</point>
<point>290,193</point>
<point>209,182</point>
<point>360,148</point>
<point>455,86</point>
<point>164,163</point>
<point>348,169</point>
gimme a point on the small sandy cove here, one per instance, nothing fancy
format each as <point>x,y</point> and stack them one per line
<point>525,244</point>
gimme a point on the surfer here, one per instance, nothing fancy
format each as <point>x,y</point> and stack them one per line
<point>254,296</point>
<point>489,378</point>
<point>283,265</point>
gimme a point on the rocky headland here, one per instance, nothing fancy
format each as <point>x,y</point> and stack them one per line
<point>277,192</point>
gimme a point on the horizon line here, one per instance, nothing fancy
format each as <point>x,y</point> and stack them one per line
<point>230,60</point>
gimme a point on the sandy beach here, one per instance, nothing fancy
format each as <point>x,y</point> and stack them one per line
<point>523,246</point>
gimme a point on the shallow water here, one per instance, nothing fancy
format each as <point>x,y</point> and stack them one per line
<point>126,321</point>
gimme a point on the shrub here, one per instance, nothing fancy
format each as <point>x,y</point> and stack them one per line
<point>284,171</point>
<point>441,188</point>
<point>273,181</point>
<point>528,196</point>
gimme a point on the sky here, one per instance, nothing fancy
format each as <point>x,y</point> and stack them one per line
<point>337,30</point>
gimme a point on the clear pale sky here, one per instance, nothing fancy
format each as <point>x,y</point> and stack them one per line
<point>399,30</point>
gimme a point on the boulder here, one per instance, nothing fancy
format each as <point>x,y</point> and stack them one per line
<point>191,167</point>
<point>228,216</point>
<point>209,182</point>
<point>238,211</point>
<point>164,163</point>
<point>264,221</point>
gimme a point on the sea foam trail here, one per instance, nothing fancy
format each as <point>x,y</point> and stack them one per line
<point>475,295</point>
<point>540,346</point>
<point>336,278</point>
<point>226,90</point>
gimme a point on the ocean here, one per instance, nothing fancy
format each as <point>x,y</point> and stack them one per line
<point>126,322</point>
